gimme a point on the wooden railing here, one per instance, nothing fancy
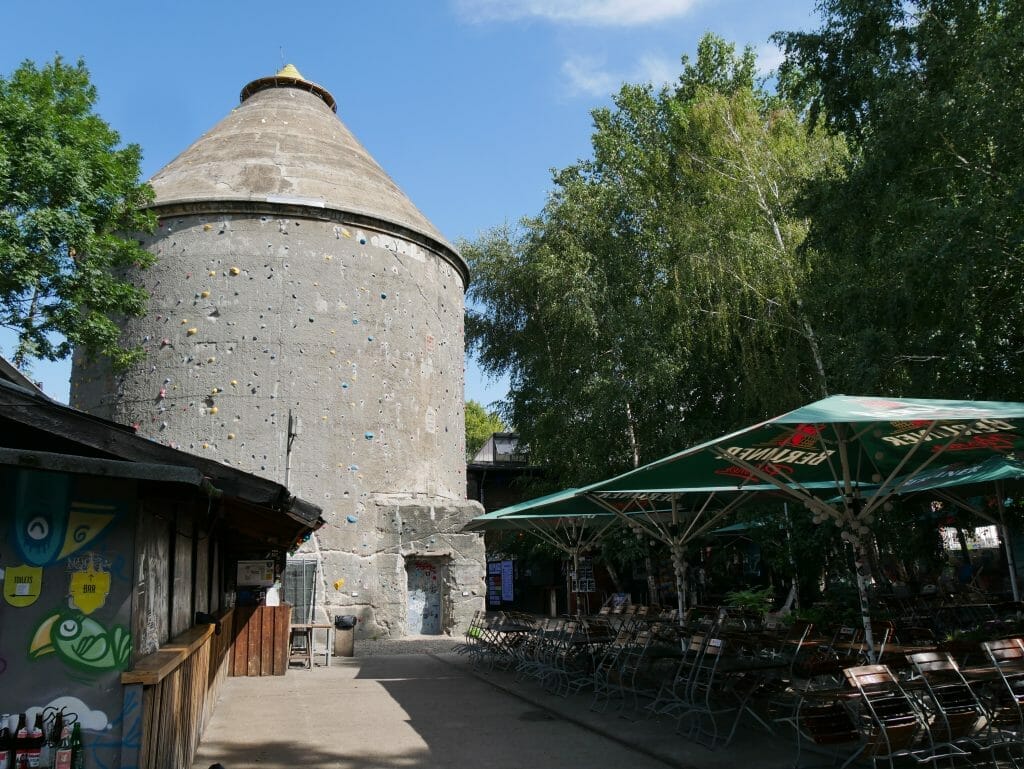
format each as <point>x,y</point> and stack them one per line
<point>175,690</point>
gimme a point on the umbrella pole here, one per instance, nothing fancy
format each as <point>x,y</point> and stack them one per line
<point>865,609</point>
<point>859,555</point>
<point>680,569</point>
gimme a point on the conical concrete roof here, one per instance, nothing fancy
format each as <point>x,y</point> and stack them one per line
<point>284,146</point>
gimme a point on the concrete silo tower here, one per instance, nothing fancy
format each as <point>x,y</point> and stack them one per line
<point>306,324</point>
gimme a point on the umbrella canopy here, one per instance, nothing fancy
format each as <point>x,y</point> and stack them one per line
<point>960,484</point>
<point>574,519</point>
<point>977,477</point>
<point>838,440</point>
<point>856,447</point>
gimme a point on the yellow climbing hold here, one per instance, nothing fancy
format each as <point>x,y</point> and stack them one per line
<point>192,331</point>
<point>206,445</point>
<point>339,584</point>
<point>204,294</point>
<point>212,273</point>
<point>234,383</point>
<point>207,227</point>
<point>184,321</point>
<point>235,271</point>
<point>231,436</point>
<point>211,359</point>
<point>215,390</point>
<point>212,410</point>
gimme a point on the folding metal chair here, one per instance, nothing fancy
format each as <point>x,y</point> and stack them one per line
<point>1006,703</point>
<point>890,725</point>
<point>606,671</point>
<point>955,715</point>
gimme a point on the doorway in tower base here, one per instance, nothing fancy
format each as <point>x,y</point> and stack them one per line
<point>426,579</point>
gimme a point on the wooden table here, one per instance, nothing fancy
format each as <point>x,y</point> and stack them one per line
<point>300,643</point>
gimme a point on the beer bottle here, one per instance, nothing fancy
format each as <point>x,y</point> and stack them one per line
<point>62,755</point>
<point>52,741</point>
<point>77,750</point>
<point>6,749</point>
<point>36,741</point>
<point>21,740</point>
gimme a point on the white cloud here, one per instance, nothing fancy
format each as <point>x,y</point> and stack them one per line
<point>658,70</point>
<point>587,75</point>
<point>608,13</point>
<point>94,720</point>
<point>769,57</point>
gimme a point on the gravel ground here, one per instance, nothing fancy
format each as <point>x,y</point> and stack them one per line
<point>429,644</point>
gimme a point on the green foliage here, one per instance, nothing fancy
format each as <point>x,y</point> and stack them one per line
<point>753,598</point>
<point>66,192</point>
<point>922,235</point>
<point>655,300</point>
<point>480,425</point>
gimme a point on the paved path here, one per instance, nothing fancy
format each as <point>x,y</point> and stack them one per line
<point>427,710</point>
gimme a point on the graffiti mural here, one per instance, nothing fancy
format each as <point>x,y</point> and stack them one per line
<point>66,573</point>
<point>22,585</point>
<point>81,642</point>
<point>50,523</point>
<point>89,584</point>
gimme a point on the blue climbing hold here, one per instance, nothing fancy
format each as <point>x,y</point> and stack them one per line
<point>368,435</point>
<point>351,518</point>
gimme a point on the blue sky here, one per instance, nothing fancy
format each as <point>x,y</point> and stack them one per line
<point>467,104</point>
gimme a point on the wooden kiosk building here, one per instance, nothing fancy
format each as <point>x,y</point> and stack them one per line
<point>118,560</point>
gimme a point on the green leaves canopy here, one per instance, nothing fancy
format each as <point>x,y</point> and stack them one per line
<point>66,191</point>
<point>924,231</point>
<point>655,299</point>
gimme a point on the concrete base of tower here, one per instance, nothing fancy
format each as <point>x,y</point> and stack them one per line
<point>412,573</point>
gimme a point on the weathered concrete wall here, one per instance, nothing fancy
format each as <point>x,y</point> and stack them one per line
<point>371,564</point>
<point>357,333</point>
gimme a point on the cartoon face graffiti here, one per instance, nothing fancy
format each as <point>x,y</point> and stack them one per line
<point>49,524</point>
<point>82,642</point>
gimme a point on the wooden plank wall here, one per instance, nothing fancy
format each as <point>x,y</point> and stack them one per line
<point>261,641</point>
<point>177,709</point>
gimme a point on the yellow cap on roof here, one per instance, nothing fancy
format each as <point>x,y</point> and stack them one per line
<point>289,70</point>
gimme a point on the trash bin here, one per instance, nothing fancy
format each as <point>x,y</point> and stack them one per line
<point>344,635</point>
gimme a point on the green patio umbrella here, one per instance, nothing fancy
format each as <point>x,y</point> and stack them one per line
<point>854,447</point>
<point>567,521</point>
<point>574,519</point>
<point>961,484</point>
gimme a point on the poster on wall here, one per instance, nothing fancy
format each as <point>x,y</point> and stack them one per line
<point>494,583</point>
<point>255,574</point>
<point>506,581</point>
